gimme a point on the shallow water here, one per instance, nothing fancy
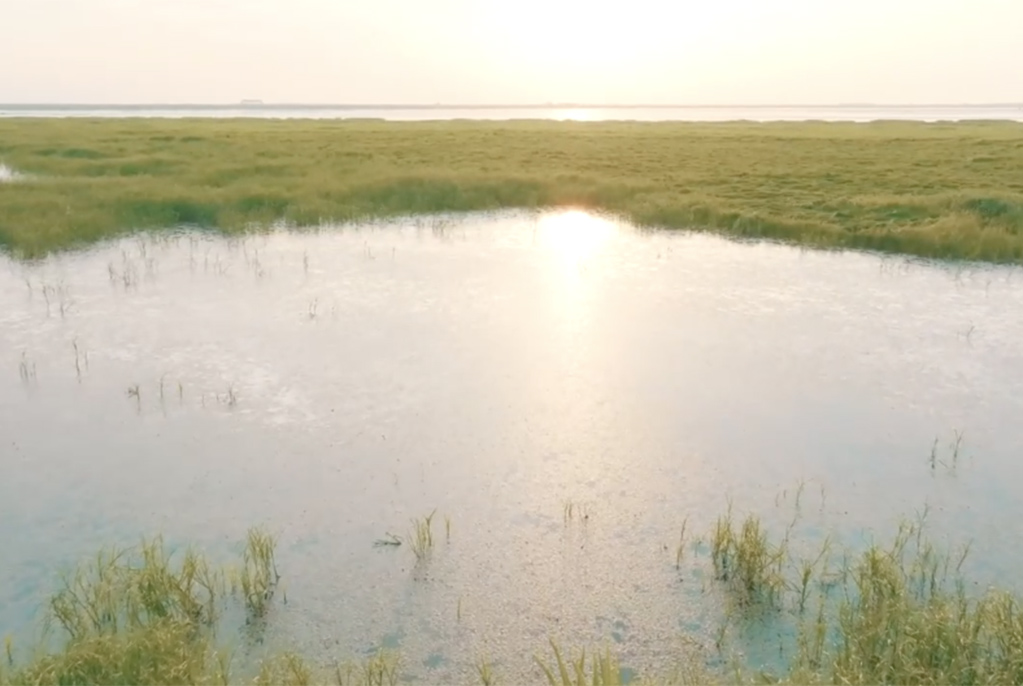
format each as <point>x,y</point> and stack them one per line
<point>334,384</point>
<point>762,113</point>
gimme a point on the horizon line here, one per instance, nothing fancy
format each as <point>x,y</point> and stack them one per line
<point>257,104</point>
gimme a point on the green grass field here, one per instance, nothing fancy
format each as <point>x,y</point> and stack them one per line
<point>935,190</point>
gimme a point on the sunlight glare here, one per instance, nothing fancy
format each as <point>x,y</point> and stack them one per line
<point>573,115</point>
<point>574,235</point>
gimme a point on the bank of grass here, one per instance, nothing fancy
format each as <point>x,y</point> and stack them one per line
<point>896,613</point>
<point>935,190</point>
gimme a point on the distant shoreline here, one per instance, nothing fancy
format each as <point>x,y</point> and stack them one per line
<point>533,106</point>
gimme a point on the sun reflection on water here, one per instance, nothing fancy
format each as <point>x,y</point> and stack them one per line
<point>574,236</point>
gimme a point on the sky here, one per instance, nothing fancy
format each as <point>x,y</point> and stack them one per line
<point>512,51</point>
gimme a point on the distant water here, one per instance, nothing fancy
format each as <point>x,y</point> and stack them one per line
<point>856,113</point>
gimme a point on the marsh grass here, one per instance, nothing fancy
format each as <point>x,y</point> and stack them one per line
<point>420,537</point>
<point>934,190</point>
<point>955,449</point>
<point>380,669</point>
<point>680,549</point>
<point>113,593</point>
<point>747,562</point>
<point>905,617</point>
<point>258,577</point>
<point>601,670</point>
<point>143,615</point>
<point>895,612</point>
<point>167,652</point>
<point>485,670</point>
<point>131,616</point>
<point>287,668</point>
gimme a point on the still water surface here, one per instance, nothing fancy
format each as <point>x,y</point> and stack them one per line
<point>334,384</point>
<point>763,113</point>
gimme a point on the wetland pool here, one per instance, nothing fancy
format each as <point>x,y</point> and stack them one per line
<point>333,384</point>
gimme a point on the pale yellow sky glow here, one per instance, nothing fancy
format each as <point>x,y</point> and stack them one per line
<point>516,52</point>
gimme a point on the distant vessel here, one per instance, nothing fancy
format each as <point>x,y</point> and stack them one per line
<point>252,102</point>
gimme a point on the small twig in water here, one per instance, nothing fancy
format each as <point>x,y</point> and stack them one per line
<point>78,366</point>
<point>957,445</point>
<point>133,392</point>
<point>389,540</point>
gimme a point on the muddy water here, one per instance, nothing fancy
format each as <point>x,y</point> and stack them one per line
<point>332,385</point>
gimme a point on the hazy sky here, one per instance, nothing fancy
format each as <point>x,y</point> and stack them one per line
<point>512,51</point>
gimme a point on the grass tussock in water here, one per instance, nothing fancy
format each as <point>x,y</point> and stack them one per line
<point>897,613</point>
<point>937,190</point>
<point>420,537</point>
<point>601,669</point>
<point>905,617</point>
<point>137,616</point>
<point>894,613</point>
<point>747,562</point>
<point>258,577</point>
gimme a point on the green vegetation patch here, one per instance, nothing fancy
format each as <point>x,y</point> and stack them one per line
<point>934,190</point>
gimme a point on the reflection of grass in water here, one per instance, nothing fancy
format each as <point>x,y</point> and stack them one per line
<point>893,613</point>
<point>886,186</point>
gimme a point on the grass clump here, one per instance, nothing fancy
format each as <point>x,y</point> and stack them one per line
<point>381,669</point>
<point>905,617</point>
<point>601,670</point>
<point>485,671</point>
<point>287,668</point>
<point>164,652</point>
<point>258,577</point>
<point>420,537</point>
<point>744,558</point>
<point>143,616</point>
<point>115,593</point>
<point>934,190</point>
<point>132,616</point>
